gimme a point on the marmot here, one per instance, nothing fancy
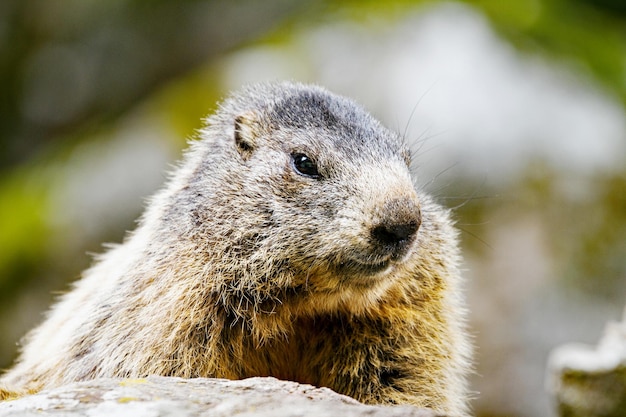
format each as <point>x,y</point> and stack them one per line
<point>290,242</point>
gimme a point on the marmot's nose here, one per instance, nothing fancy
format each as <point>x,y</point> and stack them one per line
<point>394,234</point>
<point>398,224</point>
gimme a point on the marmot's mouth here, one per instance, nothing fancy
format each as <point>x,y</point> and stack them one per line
<point>356,267</point>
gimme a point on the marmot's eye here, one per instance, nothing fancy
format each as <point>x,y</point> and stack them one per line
<point>305,165</point>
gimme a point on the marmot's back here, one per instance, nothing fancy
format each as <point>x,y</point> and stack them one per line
<point>290,242</point>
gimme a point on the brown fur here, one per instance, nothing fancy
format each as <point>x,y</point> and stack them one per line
<point>248,264</point>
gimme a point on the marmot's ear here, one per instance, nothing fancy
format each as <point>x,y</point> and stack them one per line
<point>246,133</point>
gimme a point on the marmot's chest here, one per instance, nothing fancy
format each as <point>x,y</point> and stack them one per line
<point>308,355</point>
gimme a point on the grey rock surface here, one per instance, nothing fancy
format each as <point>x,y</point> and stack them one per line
<point>163,396</point>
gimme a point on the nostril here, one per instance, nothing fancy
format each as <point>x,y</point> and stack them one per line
<point>395,234</point>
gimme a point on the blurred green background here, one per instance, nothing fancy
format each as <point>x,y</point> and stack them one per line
<point>515,109</point>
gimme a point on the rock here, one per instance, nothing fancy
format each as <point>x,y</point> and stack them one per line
<point>164,396</point>
<point>591,382</point>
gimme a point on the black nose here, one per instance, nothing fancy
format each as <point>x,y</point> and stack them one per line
<point>396,235</point>
<point>398,222</point>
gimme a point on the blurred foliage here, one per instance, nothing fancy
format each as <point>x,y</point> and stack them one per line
<point>66,65</point>
<point>69,64</point>
<point>596,244</point>
<point>586,233</point>
<point>589,33</point>
<point>24,232</point>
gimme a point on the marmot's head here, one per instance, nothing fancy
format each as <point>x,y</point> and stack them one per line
<point>303,191</point>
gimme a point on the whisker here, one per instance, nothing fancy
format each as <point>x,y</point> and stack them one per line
<point>475,236</point>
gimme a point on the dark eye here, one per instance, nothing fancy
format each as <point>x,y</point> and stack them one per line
<point>305,165</point>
